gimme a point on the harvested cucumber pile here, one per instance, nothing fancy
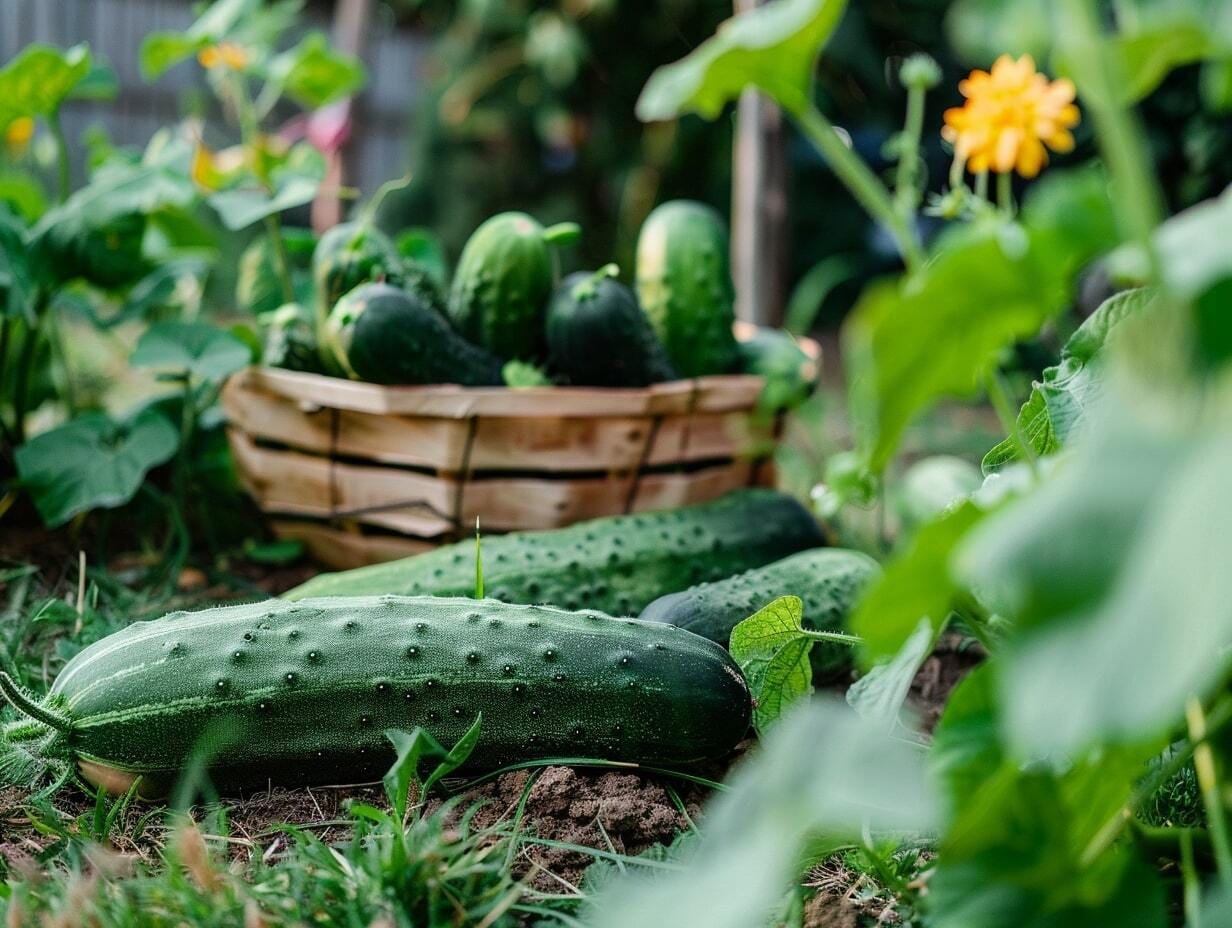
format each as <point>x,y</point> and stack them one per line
<point>617,564</point>
<point>304,692</point>
<point>507,316</point>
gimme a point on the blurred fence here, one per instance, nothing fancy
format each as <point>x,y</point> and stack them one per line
<point>380,140</point>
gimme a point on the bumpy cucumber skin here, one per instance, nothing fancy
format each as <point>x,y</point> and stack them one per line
<point>382,334</point>
<point>828,580</point>
<point>303,692</point>
<point>684,285</point>
<point>616,564</point>
<point>350,254</point>
<point>598,335</point>
<point>501,287</point>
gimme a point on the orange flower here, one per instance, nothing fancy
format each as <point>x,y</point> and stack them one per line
<point>223,55</point>
<point>18,133</point>
<point>1010,114</point>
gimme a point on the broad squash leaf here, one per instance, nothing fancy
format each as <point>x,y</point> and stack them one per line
<point>313,75</point>
<point>194,349</point>
<point>40,79</point>
<point>773,47</point>
<point>92,462</point>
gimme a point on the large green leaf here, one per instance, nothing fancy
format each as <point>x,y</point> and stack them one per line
<point>980,30</point>
<point>295,184</point>
<point>162,50</point>
<point>1058,403</point>
<point>940,332</point>
<point>192,348</point>
<point>40,79</point>
<point>879,695</point>
<point>773,47</point>
<point>1114,572</point>
<point>313,75</point>
<point>821,771</point>
<point>92,462</point>
<point>915,585</point>
<point>16,284</point>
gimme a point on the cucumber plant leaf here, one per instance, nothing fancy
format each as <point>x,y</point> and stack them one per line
<point>772,649</point>
<point>162,50</point>
<point>773,47</point>
<point>294,183</point>
<point>879,695</point>
<point>92,462</point>
<point>40,79</point>
<point>314,75</point>
<point>192,349</point>
<point>1058,403</point>
<point>940,332</point>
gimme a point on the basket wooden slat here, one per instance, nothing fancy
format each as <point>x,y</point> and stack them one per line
<point>363,473</point>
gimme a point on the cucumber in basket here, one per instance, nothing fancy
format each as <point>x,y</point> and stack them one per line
<point>616,564</point>
<point>828,580</point>
<point>304,692</point>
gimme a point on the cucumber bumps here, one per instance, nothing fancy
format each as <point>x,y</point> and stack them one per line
<point>302,693</point>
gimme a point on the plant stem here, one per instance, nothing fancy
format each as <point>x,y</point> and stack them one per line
<point>1009,422</point>
<point>858,178</point>
<point>62,163</point>
<point>981,185</point>
<point>1136,195</point>
<point>273,229</point>
<point>1208,782</point>
<point>906,189</point>
<point>1005,193</point>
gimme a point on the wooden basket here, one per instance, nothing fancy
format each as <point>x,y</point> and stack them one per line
<point>363,473</point>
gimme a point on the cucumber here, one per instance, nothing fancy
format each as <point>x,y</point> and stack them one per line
<point>383,334</point>
<point>932,485</point>
<point>828,580</point>
<point>790,374</point>
<point>598,336</point>
<point>302,693</point>
<point>502,284</point>
<point>616,564</point>
<point>685,286</point>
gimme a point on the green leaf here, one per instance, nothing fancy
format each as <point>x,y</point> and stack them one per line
<point>879,695</point>
<point>940,332</point>
<point>1058,403</point>
<point>915,585</point>
<point>314,75</point>
<point>161,51</point>
<point>773,47</point>
<point>194,349</point>
<point>278,553</point>
<point>966,751</point>
<point>16,283</point>
<point>295,184</point>
<point>931,486</point>
<point>822,771</point>
<point>981,30</point>
<point>92,462</point>
<point>40,79</point>
<point>772,648</point>
<point>414,748</point>
<point>1114,573</point>
<point>424,247</point>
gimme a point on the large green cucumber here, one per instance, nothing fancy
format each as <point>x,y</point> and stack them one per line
<point>502,283</point>
<point>598,336</point>
<point>616,564</point>
<point>385,335</point>
<point>828,580</point>
<point>304,692</point>
<point>684,285</point>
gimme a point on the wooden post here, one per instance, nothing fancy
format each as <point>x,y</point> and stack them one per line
<point>350,32</point>
<point>759,206</point>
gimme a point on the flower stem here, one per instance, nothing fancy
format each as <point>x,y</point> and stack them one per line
<point>907,189</point>
<point>856,176</point>
<point>1005,193</point>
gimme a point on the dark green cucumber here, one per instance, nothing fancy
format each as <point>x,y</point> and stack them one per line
<point>302,693</point>
<point>290,339</point>
<point>616,564</point>
<point>828,580</point>
<point>383,334</point>
<point>684,285</point>
<point>598,336</point>
<point>790,373</point>
<point>502,284</point>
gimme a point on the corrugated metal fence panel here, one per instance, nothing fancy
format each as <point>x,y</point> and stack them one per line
<point>114,29</point>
